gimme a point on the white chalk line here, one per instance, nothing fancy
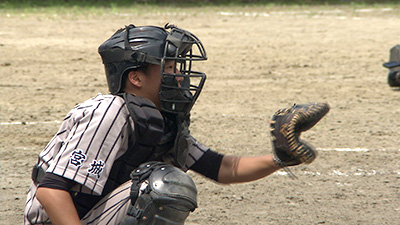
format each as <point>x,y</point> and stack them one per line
<point>351,149</point>
<point>334,173</point>
<point>267,14</point>
<point>337,173</point>
<point>260,14</point>
<point>359,172</point>
<point>306,12</point>
<point>319,149</point>
<point>29,123</point>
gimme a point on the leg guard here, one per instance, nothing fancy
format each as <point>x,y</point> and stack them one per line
<point>160,194</point>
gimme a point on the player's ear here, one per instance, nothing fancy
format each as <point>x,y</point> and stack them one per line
<point>134,77</point>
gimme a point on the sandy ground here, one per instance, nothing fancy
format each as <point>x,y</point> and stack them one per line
<point>258,62</point>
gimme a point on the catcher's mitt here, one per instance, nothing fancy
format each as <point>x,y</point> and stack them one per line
<point>286,126</point>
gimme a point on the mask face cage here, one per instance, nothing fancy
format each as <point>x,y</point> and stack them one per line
<point>183,48</point>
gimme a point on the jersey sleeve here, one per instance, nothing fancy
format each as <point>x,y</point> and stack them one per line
<point>99,135</point>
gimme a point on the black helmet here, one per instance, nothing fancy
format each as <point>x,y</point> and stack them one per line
<point>132,47</point>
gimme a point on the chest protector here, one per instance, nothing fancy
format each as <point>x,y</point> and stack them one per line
<point>151,140</point>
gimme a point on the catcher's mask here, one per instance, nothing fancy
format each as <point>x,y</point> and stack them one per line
<point>133,47</point>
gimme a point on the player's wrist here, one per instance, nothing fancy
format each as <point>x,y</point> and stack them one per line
<point>277,162</point>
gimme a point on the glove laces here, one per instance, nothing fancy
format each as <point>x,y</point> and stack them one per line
<point>287,170</point>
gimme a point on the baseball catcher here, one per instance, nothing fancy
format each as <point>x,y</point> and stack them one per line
<point>122,157</point>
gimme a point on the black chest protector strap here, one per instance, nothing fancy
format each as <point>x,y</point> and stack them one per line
<point>148,132</point>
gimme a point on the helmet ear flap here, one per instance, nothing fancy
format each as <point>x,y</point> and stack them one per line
<point>124,78</point>
<point>116,74</point>
<point>113,79</point>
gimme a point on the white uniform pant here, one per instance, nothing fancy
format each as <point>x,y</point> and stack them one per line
<point>110,210</point>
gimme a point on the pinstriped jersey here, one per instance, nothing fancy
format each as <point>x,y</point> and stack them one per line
<point>91,137</point>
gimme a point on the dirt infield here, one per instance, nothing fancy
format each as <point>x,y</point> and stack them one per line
<point>259,61</point>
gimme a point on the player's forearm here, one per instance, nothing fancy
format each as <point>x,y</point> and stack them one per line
<point>243,169</point>
<point>58,205</point>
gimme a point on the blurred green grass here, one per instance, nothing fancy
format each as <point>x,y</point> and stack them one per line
<point>15,4</point>
<point>101,7</point>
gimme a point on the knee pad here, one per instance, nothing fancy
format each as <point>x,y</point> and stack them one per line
<point>160,194</point>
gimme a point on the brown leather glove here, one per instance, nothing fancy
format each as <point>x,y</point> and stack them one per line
<point>286,126</point>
